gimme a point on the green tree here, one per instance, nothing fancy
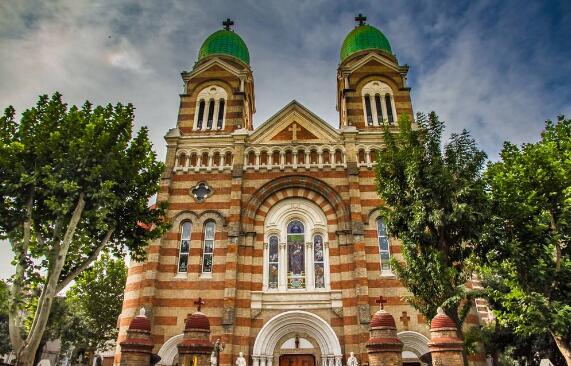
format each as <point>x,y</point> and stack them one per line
<point>96,299</point>
<point>73,181</point>
<point>526,248</point>
<point>4,335</point>
<point>436,206</point>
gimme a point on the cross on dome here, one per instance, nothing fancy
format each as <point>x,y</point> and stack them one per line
<point>381,301</point>
<point>199,303</point>
<point>227,23</point>
<point>361,19</point>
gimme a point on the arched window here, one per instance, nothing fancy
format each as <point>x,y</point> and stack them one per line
<point>318,261</point>
<point>184,246</point>
<point>368,110</point>
<point>383,108</point>
<point>214,111</point>
<point>296,255</point>
<point>384,248</point>
<point>379,109</point>
<point>201,106</point>
<point>273,262</point>
<point>208,247</point>
<point>210,114</point>
<point>220,114</point>
<point>389,108</point>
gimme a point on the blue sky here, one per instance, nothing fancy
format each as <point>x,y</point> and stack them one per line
<point>496,68</point>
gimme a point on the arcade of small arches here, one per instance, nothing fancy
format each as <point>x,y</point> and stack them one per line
<point>273,158</point>
<point>301,156</point>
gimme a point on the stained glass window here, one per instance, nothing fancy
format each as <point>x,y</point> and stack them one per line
<point>318,261</point>
<point>184,246</point>
<point>273,259</point>
<point>384,249</point>
<point>296,255</point>
<point>208,247</point>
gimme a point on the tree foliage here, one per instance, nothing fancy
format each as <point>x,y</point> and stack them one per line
<point>436,206</point>
<point>4,335</point>
<point>96,298</point>
<point>72,182</point>
<point>526,251</point>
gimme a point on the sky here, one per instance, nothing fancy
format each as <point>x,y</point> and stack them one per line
<point>496,68</point>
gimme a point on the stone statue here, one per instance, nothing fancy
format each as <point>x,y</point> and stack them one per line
<point>352,360</point>
<point>241,361</point>
<point>213,359</point>
<point>218,347</point>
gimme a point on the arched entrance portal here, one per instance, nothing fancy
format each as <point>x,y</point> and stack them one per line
<point>268,345</point>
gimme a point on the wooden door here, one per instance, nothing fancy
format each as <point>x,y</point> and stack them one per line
<point>297,360</point>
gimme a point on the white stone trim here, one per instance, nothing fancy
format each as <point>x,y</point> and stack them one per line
<point>414,342</point>
<point>371,89</point>
<point>296,321</point>
<point>211,92</point>
<point>169,350</point>
<point>314,221</point>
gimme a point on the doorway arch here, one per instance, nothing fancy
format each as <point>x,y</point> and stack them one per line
<point>269,337</point>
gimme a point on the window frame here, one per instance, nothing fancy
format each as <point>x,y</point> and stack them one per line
<point>371,89</point>
<point>210,116</point>
<point>180,243</point>
<point>204,247</point>
<point>380,236</point>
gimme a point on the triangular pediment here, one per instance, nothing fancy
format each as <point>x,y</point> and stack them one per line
<point>294,124</point>
<point>372,57</point>
<point>214,64</point>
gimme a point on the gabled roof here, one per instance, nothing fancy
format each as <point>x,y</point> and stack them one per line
<point>279,127</point>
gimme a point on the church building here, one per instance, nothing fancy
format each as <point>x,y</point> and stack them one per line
<point>276,231</point>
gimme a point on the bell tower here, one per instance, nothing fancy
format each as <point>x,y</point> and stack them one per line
<point>218,96</point>
<point>371,85</point>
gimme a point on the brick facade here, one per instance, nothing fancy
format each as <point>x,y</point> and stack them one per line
<point>292,156</point>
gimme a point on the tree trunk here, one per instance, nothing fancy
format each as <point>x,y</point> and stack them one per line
<point>564,347</point>
<point>26,355</point>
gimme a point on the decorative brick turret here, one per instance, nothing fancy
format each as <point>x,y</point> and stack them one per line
<point>445,346</point>
<point>137,349</point>
<point>384,347</point>
<point>196,348</point>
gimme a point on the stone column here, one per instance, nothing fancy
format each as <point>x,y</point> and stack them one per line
<point>384,347</point>
<point>195,348</point>
<point>137,349</point>
<point>445,346</point>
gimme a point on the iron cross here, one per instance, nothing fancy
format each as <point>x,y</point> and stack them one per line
<point>199,303</point>
<point>227,24</point>
<point>361,19</point>
<point>381,300</point>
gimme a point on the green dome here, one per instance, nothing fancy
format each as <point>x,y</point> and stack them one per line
<point>364,37</point>
<point>225,42</point>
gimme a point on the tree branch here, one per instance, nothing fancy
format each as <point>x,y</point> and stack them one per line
<point>558,241</point>
<point>80,268</point>
<point>42,312</point>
